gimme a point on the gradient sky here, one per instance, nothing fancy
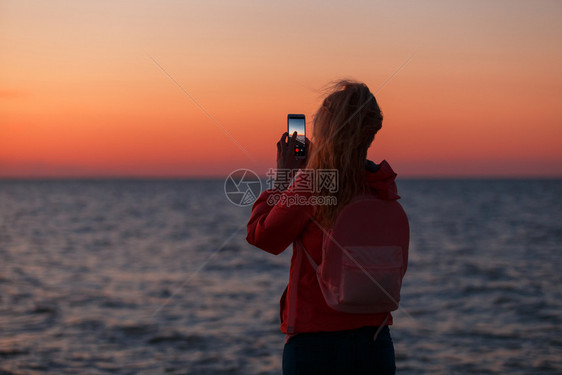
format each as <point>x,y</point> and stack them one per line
<point>80,94</point>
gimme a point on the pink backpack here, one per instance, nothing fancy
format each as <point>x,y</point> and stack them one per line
<point>364,257</point>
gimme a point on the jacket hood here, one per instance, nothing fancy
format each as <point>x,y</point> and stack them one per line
<point>382,178</point>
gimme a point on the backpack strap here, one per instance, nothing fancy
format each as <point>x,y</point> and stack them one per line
<point>381,327</point>
<point>312,262</point>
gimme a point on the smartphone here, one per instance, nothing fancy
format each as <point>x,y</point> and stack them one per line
<point>297,123</point>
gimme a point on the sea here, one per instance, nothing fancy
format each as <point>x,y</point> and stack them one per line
<point>154,276</point>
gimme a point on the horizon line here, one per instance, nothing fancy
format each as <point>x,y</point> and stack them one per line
<point>264,177</point>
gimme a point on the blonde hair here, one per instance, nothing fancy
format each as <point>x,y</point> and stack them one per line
<point>344,128</point>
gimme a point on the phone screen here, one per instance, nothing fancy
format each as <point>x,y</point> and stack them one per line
<point>296,123</point>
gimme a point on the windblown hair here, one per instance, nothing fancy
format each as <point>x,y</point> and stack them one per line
<point>344,128</point>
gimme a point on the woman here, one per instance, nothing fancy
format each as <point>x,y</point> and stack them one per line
<point>321,340</point>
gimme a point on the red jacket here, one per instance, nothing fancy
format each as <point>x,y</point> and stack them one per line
<point>274,227</point>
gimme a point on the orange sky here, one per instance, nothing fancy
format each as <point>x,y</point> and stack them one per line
<point>81,96</point>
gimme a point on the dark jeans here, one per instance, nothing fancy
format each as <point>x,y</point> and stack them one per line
<point>351,352</point>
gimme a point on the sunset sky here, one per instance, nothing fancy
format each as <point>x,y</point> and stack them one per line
<point>479,92</point>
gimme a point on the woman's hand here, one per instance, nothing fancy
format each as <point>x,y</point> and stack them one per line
<point>287,161</point>
<point>286,158</point>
